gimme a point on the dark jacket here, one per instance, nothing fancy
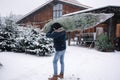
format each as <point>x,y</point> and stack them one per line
<point>59,39</point>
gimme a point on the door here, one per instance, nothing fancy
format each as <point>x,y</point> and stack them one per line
<point>118,30</point>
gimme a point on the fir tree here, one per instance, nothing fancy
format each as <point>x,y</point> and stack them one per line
<point>23,39</point>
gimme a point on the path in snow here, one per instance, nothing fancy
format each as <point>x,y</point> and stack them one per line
<point>80,63</point>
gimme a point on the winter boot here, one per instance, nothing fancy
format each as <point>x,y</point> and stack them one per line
<point>55,77</point>
<point>61,76</point>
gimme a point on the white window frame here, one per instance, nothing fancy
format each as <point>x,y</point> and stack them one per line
<point>57,11</point>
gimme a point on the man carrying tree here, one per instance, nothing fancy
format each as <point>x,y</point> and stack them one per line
<point>59,37</point>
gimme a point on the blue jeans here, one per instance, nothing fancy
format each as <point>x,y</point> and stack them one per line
<point>58,55</point>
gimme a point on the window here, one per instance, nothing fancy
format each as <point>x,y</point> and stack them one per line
<point>57,11</point>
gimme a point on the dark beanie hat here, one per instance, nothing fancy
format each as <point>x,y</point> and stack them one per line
<point>56,25</point>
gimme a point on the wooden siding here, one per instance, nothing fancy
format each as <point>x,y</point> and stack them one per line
<point>118,30</point>
<point>40,17</point>
<point>69,9</point>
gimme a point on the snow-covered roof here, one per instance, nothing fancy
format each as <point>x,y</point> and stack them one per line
<point>35,10</point>
<point>88,10</point>
<point>73,2</point>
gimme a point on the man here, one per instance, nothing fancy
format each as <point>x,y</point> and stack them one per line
<point>59,38</point>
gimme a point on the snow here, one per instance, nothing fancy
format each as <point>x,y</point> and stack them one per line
<point>80,64</point>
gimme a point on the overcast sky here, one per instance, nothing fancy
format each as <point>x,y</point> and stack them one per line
<point>23,7</point>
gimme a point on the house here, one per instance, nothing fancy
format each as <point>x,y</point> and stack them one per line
<point>110,26</point>
<point>50,10</point>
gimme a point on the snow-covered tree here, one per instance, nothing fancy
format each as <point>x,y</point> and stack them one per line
<point>79,21</point>
<point>103,43</point>
<point>23,39</point>
<point>32,41</point>
<point>7,34</point>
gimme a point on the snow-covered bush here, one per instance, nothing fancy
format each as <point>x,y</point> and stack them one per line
<point>33,41</point>
<point>23,39</point>
<point>103,43</point>
<point>7,35</point>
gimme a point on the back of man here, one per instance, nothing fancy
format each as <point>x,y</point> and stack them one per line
<point>60,42</point>
<point>59,37</point>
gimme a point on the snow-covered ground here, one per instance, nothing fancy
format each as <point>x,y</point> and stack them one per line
<point>80,64</point>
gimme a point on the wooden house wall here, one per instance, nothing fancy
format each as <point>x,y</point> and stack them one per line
<point>42,16</point>
<point>118,27</point>
<point>67,8</point>
<point>118,30</point>
<point>105,29</point>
